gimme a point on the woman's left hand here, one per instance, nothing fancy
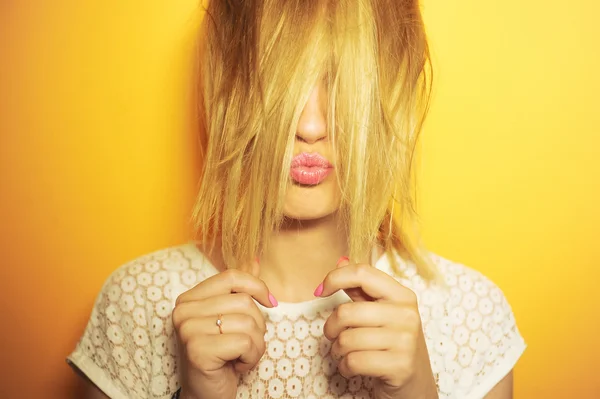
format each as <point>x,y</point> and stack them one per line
<point>379,333</point>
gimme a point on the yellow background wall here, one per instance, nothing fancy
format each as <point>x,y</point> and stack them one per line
<point>97,166</point>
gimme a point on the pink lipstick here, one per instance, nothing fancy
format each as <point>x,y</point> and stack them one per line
<point>310,168</point>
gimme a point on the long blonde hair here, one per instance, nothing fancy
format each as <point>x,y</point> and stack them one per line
<point>260,61</point>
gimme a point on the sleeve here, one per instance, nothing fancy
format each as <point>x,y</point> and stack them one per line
<point>494,343</point>
<point>127,348</point>
<point>106,353</point>
<point>472,335</point>
<point>499,345</point>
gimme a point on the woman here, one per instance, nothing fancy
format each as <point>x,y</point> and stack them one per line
<point>312,111</point>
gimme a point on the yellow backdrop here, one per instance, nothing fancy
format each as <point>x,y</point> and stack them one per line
<point>97,166</point>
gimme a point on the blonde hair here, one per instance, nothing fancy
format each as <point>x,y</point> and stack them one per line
<point>260,61</point>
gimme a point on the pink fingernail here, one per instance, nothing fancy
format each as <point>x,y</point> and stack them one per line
<point>257,260</point>
<point>319,290</point>
<point>273,300</point>
<point>343,258</point>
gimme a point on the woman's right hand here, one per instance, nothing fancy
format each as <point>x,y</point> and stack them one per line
<point>210,361</point>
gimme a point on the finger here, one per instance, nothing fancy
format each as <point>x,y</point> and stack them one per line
<point>373,282</point>
<point>228,282</point>
<point>364,339</point>
<point>378,364</point>
<point>367,314</point>
<point>222,304</point>
<point>211,352</point>
<point>230,324</point>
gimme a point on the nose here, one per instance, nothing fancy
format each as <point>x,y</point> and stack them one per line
<point>312,126</point>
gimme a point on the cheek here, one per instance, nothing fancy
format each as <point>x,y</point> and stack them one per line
<point>312,202</point>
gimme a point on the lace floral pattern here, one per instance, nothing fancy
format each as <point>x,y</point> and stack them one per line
<point>129,349</point>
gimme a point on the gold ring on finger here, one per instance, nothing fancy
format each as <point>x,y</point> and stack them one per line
<point>220,323</point>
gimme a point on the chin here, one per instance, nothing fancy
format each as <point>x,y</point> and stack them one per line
<point>311,202</point>
<point>306,214</point>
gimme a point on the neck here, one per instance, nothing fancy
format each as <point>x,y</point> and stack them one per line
<point>300,255</point>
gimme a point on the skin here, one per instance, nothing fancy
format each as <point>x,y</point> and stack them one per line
<point>301,257</point>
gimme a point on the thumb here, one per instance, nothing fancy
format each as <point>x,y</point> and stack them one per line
<point>255,271</point>
<point>255,267</point>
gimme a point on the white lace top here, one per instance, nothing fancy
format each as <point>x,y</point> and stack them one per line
<point>128,348</point>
